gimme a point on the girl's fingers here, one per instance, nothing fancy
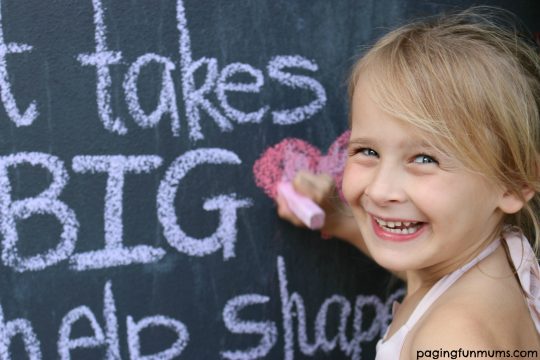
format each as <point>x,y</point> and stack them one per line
<point>317,187</point>
<point>321,189</point>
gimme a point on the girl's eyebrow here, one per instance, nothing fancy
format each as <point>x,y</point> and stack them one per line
<point>408,143</point>
<point>360,141</point>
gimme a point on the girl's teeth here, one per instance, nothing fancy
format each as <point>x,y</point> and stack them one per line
<point>403,231</point>
<point>390,226</point>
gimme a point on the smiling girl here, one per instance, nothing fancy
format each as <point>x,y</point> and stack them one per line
<point>442,181</point>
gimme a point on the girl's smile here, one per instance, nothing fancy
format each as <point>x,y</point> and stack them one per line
<point>397,229</point>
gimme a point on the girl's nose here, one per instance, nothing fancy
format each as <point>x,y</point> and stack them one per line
<point>386,186</point>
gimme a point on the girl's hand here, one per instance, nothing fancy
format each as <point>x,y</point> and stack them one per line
<point>321,188</point>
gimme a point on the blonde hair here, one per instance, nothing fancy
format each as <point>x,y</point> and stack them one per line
<point>473,82</point>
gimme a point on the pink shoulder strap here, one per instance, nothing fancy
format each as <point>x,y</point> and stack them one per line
<point>528,271</point>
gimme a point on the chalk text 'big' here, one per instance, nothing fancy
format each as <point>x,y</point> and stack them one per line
<point>115,253</point>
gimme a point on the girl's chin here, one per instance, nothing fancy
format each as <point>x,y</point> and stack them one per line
<point>395,257</point>
<point>394,264</point>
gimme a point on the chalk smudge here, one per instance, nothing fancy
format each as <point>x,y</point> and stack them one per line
<point>283,160</point>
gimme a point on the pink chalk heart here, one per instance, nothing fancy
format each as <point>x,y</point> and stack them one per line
<point>283,160</point>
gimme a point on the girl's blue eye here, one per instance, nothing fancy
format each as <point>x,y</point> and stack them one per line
<point>424,159</point>
<point>368,152</point>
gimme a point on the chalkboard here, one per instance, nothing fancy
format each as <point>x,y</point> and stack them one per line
<point>134,223</point>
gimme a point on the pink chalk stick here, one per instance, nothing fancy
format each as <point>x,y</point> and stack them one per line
<point>306,209</point>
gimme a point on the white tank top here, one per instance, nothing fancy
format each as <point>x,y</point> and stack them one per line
<point>528,272</point>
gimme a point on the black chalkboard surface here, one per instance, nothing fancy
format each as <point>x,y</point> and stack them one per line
<point>132,224</point>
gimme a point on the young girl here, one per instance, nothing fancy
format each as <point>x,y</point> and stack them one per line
<point>442,181</point>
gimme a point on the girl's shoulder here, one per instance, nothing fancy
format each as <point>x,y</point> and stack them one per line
<point>484,309</point>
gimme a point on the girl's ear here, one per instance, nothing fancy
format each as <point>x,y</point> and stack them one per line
<point>511,203</point>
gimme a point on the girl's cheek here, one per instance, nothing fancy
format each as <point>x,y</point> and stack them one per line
<point>350,184</point>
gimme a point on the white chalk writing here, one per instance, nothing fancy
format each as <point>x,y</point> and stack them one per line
<point>225,235</point>
<point>196,99</point>
<point>115,253</point>
<point>167,98</point>
<point>224,85</point>
<point>45,203</point>
<point>133,329</point>
<point>102,59</point>
<point>15,327</point>
<point>267,329</point>
<point>275,69</point>
<point>31,112</point>
<point>292,304</point>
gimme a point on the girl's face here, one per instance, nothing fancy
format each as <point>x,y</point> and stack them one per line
<point>417,208</point>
